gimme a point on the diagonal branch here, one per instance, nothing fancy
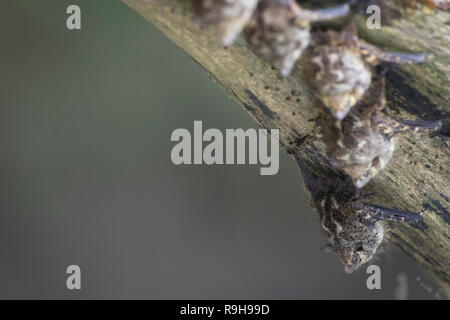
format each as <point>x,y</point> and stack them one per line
<point>418,176</point>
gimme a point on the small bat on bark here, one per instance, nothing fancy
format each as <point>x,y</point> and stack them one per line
<point>338,67</point>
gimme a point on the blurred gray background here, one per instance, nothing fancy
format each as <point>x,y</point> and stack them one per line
<point>86,176</point>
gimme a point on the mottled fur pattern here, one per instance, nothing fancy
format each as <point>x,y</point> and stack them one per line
<point>363,143</point>
<point>353,228</point>
<point>353,238</point>
<point>274,34</point>
<point>336,72</point>
<point>230,16</point>
<point>279,31</point>
<point>355,144</point>
<point>339,66</point>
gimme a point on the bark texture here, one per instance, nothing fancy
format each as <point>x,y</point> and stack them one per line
<point>416,179</point>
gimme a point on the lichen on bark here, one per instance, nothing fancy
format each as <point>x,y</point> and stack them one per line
<point>416,179</point>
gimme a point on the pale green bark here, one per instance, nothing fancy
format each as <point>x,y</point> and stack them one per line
<point>418,176</point>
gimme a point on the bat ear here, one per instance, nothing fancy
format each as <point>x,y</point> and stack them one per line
<point>328,248</point>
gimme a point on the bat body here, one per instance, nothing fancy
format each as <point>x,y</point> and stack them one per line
<point>279,31</point>
<point>364,141</point>
<point>352,227</point>
<point>230,16</point>
<point>338,67</point>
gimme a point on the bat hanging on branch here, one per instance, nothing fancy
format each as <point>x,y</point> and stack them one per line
<point>417,176</point>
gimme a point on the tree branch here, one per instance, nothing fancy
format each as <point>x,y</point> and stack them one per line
<point>417,178</point>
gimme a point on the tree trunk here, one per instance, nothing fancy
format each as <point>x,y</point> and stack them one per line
<point>417,177</point>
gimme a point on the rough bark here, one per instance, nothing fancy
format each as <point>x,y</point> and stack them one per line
<point>417,177</point>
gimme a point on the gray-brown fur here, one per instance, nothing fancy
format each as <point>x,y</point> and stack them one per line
<point>274,34</point>
<point>352,227</point>
<point>339,66</point>
<point>230,16</point>
<point>364,141</point>
<point>279,31</point>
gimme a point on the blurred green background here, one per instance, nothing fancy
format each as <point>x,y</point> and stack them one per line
<point>86,176</point>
